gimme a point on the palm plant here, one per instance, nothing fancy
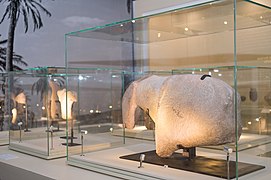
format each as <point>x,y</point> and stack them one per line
<point>17,59</point>
<point>41,87</point>
<point>15,8</point>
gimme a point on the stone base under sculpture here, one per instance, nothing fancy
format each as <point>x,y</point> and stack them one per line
<point>200,164</point>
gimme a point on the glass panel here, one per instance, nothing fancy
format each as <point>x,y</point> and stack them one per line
<point>36,127</point>
<point>253,84</point>
<point>93,111</point>
<point>4,125</point>
<point>196,20</point>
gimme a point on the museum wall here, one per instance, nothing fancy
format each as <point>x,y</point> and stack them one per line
<point>212,50</point>
<point>144,7</point>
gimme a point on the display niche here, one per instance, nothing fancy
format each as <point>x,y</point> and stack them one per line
<point>190,96</point>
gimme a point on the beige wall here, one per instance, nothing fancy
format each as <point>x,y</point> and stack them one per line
<point>145,7</point>
<point>253,49</point>
<point>213,49</point>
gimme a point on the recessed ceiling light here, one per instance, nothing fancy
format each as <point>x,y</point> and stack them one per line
<point>225,22</point>
<point>186,29</point>
<point>158,35</point>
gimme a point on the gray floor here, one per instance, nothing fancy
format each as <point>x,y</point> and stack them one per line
<point>11,172</point>
<point>22,166</point>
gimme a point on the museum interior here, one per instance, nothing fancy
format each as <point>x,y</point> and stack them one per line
<point>179,93</point>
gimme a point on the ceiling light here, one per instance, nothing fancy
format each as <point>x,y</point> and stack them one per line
<point>159,35</point>
<point>80,77</point>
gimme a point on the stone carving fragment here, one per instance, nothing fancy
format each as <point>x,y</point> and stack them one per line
<point>55,87</point>
<point>188,110</point>
<point>70,98</point>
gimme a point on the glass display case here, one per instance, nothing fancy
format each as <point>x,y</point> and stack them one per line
<point>92,111</point>
<point>227,40</point>
<point>36,125</point>
<point>3,122</point>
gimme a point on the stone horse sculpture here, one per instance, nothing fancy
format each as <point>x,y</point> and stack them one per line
<point>188,110</point>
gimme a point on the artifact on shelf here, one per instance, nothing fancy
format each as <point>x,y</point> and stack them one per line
<point>188,110</point>
<point>21,99</point>
<point>71,98</point>
<point>253,94</point>
<point>14,115</point>
<point>243,98</point>
<point>267,98</point>
<point>54,87</point>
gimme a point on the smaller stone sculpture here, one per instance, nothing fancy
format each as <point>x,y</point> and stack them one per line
<point>71,98</point>
<point>21,99</point>
<point>267,98</point>
<point>253,94</point>
<point>14,115</point>
<point>54,87</point>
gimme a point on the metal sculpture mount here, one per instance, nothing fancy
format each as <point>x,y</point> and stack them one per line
<point>188,110</point>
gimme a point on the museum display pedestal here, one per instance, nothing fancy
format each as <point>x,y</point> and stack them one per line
<point>3,138</point>
<point>39,145</point>
<point>109,162</point>
<point>200,164</point>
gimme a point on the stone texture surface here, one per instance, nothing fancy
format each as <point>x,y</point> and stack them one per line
<point>54,88</point>
<point>66,100</point>
<point>187,111</point>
